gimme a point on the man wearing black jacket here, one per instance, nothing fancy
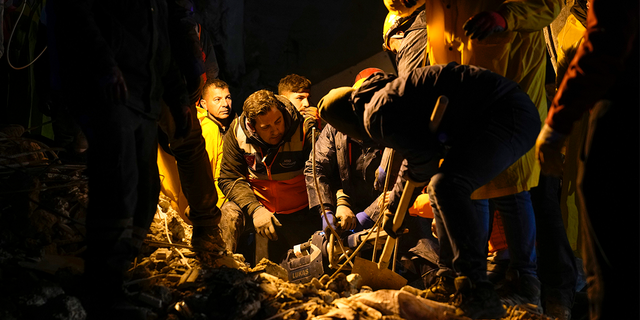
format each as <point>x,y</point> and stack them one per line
<point>261,174</point>
<point>488,124</point>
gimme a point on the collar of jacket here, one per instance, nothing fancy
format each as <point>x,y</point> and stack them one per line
<point>292,119</point>
<point>222,128</point>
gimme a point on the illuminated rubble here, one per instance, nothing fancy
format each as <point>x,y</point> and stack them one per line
<point>41,266</point>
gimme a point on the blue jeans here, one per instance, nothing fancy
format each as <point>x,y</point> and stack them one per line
<point>519,225</point>
<point>556,262</point>
<point>479,154</point>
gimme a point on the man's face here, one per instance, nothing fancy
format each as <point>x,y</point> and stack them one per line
<point>218,102</point>
<point>270,126</point>
<point>300,100</point>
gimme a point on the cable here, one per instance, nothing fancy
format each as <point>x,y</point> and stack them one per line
<point>315,182</point>
<point>11,37</point>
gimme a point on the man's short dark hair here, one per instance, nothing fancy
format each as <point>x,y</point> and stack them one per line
<point>259,103</point>
<point>213,83</point>
<point>293,83</point>
<point>216,83</point>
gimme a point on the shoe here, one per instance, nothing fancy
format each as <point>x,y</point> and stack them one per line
<point>477,300</point>
<point>207,239</point>
<point>520,289</point>
<point>441,290</point>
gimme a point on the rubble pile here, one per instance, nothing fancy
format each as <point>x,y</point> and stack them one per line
<point>43,208</point>
<point>42,239</point>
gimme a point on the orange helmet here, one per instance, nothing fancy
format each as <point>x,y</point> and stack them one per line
<point>363,75</point>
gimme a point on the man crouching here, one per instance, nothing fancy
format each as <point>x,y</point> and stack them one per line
<point>261,174</point>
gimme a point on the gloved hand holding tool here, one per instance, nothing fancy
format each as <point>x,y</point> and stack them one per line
<point>347,220</point>
<point>264,222</point>
<point>328,215</point>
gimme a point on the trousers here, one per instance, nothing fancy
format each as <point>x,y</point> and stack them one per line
<point>479,154</point>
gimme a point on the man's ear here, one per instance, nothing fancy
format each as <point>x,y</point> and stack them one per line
<point>203,103</point>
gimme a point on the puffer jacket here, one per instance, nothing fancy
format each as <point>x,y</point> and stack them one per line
<point>254,174</point>
<point>517,54</point>
<point>384,100</point>
<point>334,158</point>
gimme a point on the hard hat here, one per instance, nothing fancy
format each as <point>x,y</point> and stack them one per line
<point>394,23</point>
<point>363,75</point>
<point>403,8</point>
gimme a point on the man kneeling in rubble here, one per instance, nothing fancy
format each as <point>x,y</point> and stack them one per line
<point>488,124</point>
<point>262,175</point>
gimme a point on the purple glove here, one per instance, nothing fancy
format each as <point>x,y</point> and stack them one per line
<point>332,221</point>
<point>484,24</point>
<point>364,221</point>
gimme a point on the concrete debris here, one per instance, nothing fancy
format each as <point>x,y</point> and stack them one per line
<point>44,228</point>
<point>268,266</point>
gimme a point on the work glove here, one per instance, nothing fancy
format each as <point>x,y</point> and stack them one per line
<point>182,118</point>
<point>484,24</point>
<point>347,220</point>
<point>387,224</point>
<point>549,151</point>
<point>113,86</point>
<point>264,222</point>
<point>364,220</point>
<point>332,222</point>
<point>383,200</point>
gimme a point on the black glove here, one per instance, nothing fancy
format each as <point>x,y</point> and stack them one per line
<point>182,119</point>
<point>484,24</point>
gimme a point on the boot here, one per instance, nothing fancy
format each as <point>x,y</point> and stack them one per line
<point>207,239</point>
<point>477,300</point>
<point>441,290</point>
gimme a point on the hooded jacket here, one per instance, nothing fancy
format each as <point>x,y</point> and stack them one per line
<point>383,101</point>
<point>254,173</point>
<point>334,164</point>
